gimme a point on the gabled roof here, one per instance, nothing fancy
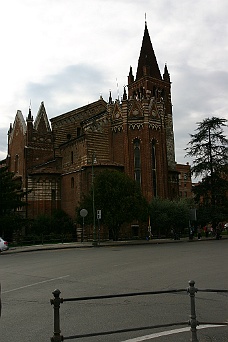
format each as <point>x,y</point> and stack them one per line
<point>147,58</point>
<point>20,119</point>
<point>19,122</point>
<point>82,113</point>
<point>42,116</point>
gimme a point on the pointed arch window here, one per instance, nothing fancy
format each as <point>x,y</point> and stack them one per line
<point>153,164</point>
<point>137,161</point>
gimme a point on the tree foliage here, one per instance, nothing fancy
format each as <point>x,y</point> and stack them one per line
<point>209,149</point>
<point>11,192</point>
<point>166,215</point>
<point>118,197</point>
<point>58,223</point>
<point>12,197</point>
<point>11,223</point>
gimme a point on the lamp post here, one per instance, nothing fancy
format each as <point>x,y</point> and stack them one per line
<point>94,217</point>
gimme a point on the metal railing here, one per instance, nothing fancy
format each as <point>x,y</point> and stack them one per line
<point>192,322</point>
<point>42,239</point>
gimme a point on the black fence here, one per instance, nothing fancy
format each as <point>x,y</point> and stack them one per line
<point>43,239</point>
<point>192,322</point>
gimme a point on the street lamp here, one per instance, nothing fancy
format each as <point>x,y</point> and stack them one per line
<point>94,217</point>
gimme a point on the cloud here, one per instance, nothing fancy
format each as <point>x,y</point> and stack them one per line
<point>67,52</point>
<point>3,143</point>
<point>197,94</point>
<point>72,87</point>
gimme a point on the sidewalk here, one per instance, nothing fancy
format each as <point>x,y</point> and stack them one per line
<point>23,249</point>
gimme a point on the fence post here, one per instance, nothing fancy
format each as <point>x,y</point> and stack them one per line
<point>193,322</point>
<point>56,301</point>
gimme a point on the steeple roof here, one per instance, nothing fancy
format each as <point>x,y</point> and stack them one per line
<point>147,63</point>
<point>41,120</point>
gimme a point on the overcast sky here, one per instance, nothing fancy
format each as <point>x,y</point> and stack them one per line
<point>69,52</point>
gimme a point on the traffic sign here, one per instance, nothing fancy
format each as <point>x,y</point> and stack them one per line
<point>98,214</point>
<point>83,212</point>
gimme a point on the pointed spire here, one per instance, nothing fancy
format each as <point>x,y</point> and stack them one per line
<point>10,128</point>
<point>110,97</point>
<point>130,76</point>
<point>130,72</point>
<point>147,63</point>
<point>125,94</point>
<point>166,76</point>
<point>29,118</point>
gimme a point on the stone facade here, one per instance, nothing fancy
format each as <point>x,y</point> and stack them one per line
<point>134,135</point>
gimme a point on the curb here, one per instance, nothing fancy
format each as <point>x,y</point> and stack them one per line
<point>102,244</point>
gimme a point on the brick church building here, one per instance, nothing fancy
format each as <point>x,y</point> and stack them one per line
<point>133,135</point>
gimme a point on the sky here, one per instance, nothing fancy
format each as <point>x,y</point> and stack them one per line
<point>68,53</point>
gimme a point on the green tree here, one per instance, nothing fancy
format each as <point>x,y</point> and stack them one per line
<point>41,225</point>
<point>11,192</point>
<point>209,149</point>
<point>166,215</point>
<point>11,198</point>
<point>57,223</point>
<point>62,223</point>
<point>120,199</point>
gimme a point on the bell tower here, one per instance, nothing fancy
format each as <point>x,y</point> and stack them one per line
<point>150,92</point>
<point>149,84</point>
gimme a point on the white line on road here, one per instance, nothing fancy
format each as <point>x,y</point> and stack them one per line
<point>170,332</point>
<point>40,282</point>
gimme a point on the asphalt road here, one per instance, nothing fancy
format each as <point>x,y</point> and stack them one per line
<point>28,280</point>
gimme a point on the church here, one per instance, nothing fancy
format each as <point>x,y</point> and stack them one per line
<point>55,159</point>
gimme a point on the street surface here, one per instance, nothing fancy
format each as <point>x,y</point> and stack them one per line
<point>28,280</point>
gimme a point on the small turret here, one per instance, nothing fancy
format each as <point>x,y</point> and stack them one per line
<point>29,130</point>
<point>10,129</point>
<point>125,94</point>
<point>110,98</point>
<point>130,76</point>
<point>29,118</point>
<point>166,76</point>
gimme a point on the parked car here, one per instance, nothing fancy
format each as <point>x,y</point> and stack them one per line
<point>3,245</point>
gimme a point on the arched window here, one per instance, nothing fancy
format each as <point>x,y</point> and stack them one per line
<point>137,161</point>
<point>72,182</point>
<point>72,157</point>
<point>153,164</point>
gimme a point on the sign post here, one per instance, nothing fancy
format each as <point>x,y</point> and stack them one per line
<point>83,213</point>
<point>98,219</point>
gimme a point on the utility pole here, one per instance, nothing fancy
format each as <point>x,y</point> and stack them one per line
<point>94,214</point>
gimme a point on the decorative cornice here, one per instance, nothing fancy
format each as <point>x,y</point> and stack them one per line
<point>118,128</point>
<point>135,125</point>
<point>155,126</point>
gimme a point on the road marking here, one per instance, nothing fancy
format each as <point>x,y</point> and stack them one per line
<point>170,332</point>
<point>40,282</point>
